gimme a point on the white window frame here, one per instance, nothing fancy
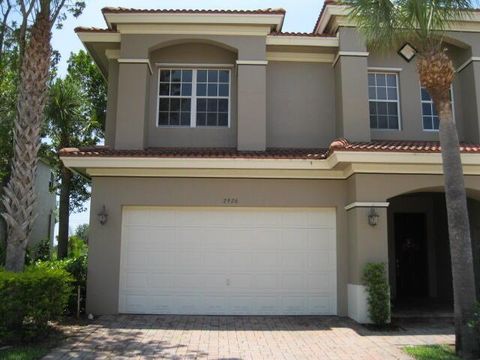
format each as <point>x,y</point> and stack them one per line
<point>386,72</point>
<point>194,97</point>
<point>431,102</point>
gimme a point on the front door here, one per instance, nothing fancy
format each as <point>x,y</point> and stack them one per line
<point>411,255</point>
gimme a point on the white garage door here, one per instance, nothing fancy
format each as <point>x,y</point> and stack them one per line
<point>210,261</point>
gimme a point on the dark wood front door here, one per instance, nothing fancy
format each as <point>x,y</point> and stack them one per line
<point>411,255</point>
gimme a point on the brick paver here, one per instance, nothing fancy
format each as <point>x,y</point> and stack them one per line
<point>243,337</point>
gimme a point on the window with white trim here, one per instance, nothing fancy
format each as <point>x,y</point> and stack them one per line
<point>194,97</point>
<point>384,101</point>
<point>430,119</point>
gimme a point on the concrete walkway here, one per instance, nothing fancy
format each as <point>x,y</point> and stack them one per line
<point>242,337</point>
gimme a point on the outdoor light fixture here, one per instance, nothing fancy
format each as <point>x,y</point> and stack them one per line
<point>408,52</point>
<point>373,217</point>
<point>103,216</point>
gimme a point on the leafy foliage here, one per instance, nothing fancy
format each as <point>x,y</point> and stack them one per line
<point>82,232</point>
<point>387,24</point>
<point>475,322</point>
<point>375,280</point>
<point>30,300</point>
<point>76,246</point>
<point>42,251</point>
<point>76,267</point>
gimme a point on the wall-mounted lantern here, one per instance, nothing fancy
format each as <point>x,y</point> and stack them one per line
<point>373,217</point>
<point>103,216</point>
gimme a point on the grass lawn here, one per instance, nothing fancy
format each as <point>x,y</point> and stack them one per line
<point>432,352</point>
<point>32,352</point>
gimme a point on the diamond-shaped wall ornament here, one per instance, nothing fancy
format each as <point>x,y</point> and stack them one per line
<point>407,51</point>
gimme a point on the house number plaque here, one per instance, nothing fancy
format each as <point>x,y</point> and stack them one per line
<point>230,201</point>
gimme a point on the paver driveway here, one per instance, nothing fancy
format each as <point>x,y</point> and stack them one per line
<point>242,337</point>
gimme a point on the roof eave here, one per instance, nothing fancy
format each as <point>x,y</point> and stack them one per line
<point>274,21</point>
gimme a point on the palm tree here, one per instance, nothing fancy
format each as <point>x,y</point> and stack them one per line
<point>64,124</point>
<point>20,199</point>
<point>386,25</point>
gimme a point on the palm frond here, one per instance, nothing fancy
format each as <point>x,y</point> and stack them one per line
<point>388,23</point>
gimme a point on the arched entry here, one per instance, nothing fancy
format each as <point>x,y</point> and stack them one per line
<point>419,251</point>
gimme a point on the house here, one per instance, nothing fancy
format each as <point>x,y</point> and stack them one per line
<point>251,171</point>
<point>44,225</point>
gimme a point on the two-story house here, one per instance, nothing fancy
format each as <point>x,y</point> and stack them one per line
<point>251,171</point>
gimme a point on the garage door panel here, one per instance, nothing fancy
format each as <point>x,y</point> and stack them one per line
<point>228,261</point>
<point>320,282</point>
<point>294,239</point>
<point>321,239</point>
<point>159,281</point>
<point>294,260</point>
<point>265,282</point>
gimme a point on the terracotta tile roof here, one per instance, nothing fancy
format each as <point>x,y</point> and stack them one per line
<point>122,10</point>
<point>398,146</point>
<point>93,29</point>
<point>325,3</point>
<point>299,34</point>
<point>305,154</point>
<point>225,153</point>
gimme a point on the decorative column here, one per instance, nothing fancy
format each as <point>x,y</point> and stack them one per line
<point>252,105</point>
<point>368,242</point>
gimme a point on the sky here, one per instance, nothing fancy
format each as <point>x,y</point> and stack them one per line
<point>301,16</point>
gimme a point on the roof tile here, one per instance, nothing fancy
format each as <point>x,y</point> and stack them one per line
<point>305,154</point>
<point>122,10</point>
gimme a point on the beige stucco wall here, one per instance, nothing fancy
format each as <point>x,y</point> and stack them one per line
<point>104,241</point>
<point>282,104</point>
<point>46,206</point>
<point>300,105</point>
<point>191,53</point>
<point>411,126</point>
<point>357,242</point>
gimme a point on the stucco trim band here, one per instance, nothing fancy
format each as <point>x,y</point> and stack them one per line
<point>386,69</point>
<point>187,65</point>
<point>252,62</point>
<point>303,41</point>
<point>367,205</point>
<point>351,54</point>
<point>137,61</point>
<point>468,62</point>
<point>300,57</point>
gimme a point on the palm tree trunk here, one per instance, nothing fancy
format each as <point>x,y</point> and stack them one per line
<point>64,213</point>
<point>459,232</point>
<point>20,198</point>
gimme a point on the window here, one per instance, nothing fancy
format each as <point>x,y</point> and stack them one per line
<point>194,97</point>
<point>430,119</point>
<point>383,101</point>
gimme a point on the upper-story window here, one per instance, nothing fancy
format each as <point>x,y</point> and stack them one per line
<point>194,97</point>
<point>384,101</point>
<point>430,119</point>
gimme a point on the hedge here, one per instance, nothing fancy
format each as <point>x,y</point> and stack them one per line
<point>378,292</point>
<point>77,268</point>
<point>29,300</point>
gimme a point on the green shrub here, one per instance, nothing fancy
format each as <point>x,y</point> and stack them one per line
<point>77,268</point>
<point>41,251</point>
<point>76,246</point>
<point>29,300</point>
<point>475,322</point>
<point>378,290</point>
